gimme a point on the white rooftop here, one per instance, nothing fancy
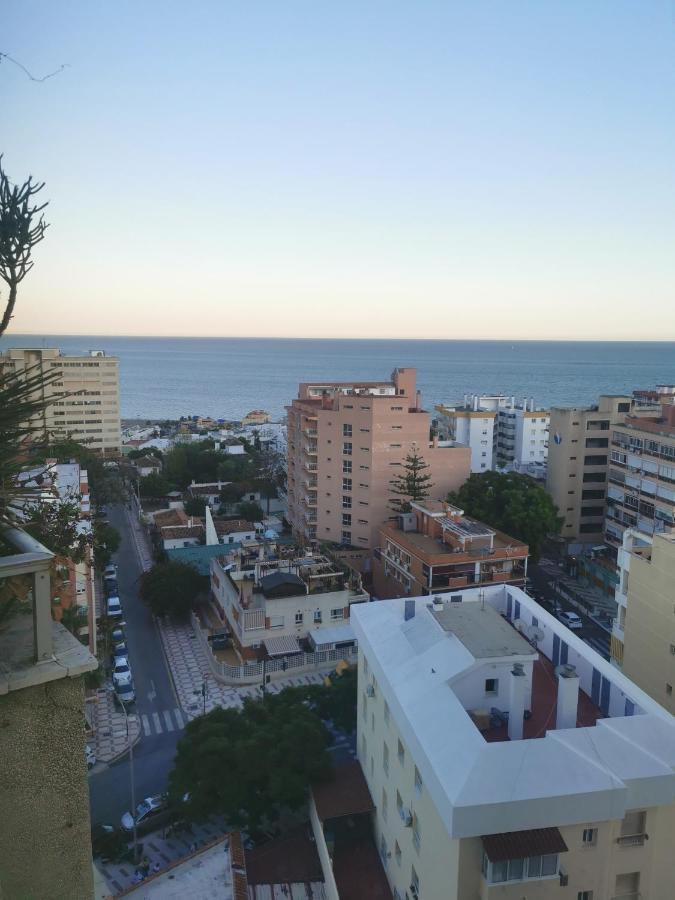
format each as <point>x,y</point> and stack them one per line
<point>204,876</point>
<point>428,674</point>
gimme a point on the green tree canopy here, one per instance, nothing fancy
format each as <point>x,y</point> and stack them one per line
<point>154,485</point>
<point>171,588</point>
<point>147,451</point>
<point>512,503</point>
<point>252,765</point>
<point>194,506</point>
<point>233,492</point>
<point>411,485</point>
<point>55,526</point>
<point>250,510</point>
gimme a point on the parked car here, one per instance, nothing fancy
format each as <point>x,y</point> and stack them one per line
<point>125,694</point>
<point>571,619</point>
<point>150,813</point>
<point>114,607</point>
<point>90,756</point>
<point>117,634</point>
<point>119,649</point>
<point>110,571</point>
<point>121,671</point>
<point>110,587</point>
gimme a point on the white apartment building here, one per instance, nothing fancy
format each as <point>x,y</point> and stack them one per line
<point>85,398</point>
<point>500,431</point>
<point>274,606</point>
<point>506,758</point>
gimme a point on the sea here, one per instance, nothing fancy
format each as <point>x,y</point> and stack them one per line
<point>227,377</point>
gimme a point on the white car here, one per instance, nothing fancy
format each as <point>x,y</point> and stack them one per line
<point>571,619</point>
<point>90,757</point>
<point>110,571</point>
<point>114,607</point>
<point>121,671</point>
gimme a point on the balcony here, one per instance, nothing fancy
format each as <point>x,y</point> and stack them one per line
<point>631,840</point>
<point>309,466</point>
<point>310,449</point>
<point>310,432</point>
<point>310,500</point>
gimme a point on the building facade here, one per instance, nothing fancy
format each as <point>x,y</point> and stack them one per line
<point>507,759</point>
<point>84,400</point>
<point>643,636</point>
<point>436,548</point>
<point>346,442</point>
<point>274,607</point>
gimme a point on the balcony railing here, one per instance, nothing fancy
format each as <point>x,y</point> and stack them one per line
<point>309,466</point>
<point>631,895</point>
<point>310,449</point>
<point>631,840</point>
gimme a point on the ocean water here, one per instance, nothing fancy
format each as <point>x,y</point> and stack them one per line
<point>227,377</point>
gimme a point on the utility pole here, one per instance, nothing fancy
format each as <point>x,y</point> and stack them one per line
<point>264,677</point>
<point>131,780</point>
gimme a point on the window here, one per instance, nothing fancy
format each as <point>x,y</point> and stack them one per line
<point>401,753</point>
<point>346,484</point>
<point>520,869</point>
<point>595,460</point>
<point>385,759</point>
<point>595,476</point>
<point>418,781</point>
<point>383,849</point>
<point>384,805</point>
<point>336,614</point>
<point>416,835</point>
<point>584,895</point>
<point>346,502</point>
<point>298,618</point>
<point>397,853</point>
<point>346,537</point>
<point>346,430</point>
<point>346,518</point>
<point>414,882</point>
<point>589,837</point>
<point>491,685</point>
<point>347,466</point>
<point>669,690</point>
<point>399,803</point>
<point>347,448</point>
<point>317,616</point>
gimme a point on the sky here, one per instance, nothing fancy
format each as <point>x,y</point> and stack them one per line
<point>473,169</point>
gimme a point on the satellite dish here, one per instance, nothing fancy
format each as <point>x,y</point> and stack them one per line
<point>535,634</point>
<point>519,625</point>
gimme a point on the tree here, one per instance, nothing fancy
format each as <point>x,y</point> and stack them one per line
<point>232,493</point>
<point>55,525</point>
<point>512,503</point>
<point>22,226</point>
<point>147,451</point>
<point>336,701</point>
<point>253,765</point>
<point>412,485</point>
<point>250,510</point>
<point>106,542</point>
<point>267,488</point>
<point>194,506</point>
<point>154,485</point>
<point>171,588</point>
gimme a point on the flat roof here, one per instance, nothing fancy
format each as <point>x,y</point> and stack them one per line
<point>481,629</point>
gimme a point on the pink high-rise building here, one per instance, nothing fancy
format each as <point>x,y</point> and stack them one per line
<point>346,442</point>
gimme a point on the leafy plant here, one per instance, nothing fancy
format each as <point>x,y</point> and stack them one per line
<point>171,588</point>
<point>411,485</point>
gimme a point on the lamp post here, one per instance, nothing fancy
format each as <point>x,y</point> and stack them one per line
<point>131,780</point>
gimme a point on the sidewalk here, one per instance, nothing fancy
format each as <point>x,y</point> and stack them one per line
<point>110,728</point>
<point>189,668</point>
<point>140,537</point>
<point>163,851</point>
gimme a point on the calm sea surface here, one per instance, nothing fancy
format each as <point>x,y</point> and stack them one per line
<point>227,377</point>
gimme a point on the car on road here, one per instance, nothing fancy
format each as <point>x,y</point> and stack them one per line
<point>124,694</point>
<point>122,671</point>
<point>110,571</point>
<point>90,756</point>
<point>571,619</point>
<point>114,607</point>
<point>110,587</point>
<point>119,649</point>
<point>117,634</point>
<point>150,813</point>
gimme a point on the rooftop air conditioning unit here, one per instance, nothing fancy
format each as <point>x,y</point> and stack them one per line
<point>406,816</point>
<point>370,691</point>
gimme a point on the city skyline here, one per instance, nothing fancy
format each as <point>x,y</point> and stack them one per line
<point>452,172</point>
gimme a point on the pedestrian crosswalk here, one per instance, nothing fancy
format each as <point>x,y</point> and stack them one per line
<point>599,645</point>
<point>160,722</point>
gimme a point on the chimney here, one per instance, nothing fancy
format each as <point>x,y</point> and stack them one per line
<point>409,610</point>
<point>466,400</point>
<point>517,689</point>
<point>475,402</point>
<point>524,403</point>
<point>568,697</point>
<point>418,401</point>
<point>513,402</point>
<point>531,404</point>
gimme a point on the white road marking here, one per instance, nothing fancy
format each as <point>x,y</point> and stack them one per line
<point>168,720</point>
<point>179,718</point>
<point>158,726</point>
<point>146,725</point>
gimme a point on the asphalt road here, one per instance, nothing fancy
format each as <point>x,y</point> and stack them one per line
<point>156,702</point>
<point>592,634</point>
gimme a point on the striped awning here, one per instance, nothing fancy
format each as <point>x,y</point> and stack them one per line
<point>282,645</point>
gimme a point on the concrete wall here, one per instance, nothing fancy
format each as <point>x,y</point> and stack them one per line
<point>44,798</point>
<point>329,886</point>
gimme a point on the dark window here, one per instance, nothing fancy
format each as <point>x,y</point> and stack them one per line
<point>623,407</point>
<point>597,443</point>
<point>597,425</point>
<point>595,476</point>
<point>589,528</point>
<point>596,460</point>
<point>592,511</point>
<point>592,495</point>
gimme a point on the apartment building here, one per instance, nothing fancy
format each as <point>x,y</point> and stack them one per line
<point>45,830</point>
<point>501,431</point>
<point>84,400</point>
<point>578,462</point>
<point>436,548</point>
<point>283,606</point>
<point>643,636</point>
<point>641,489</point>
<point>346,442</point>
<point>506,758</point>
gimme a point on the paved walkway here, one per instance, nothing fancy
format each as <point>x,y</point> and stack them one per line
<point>110,738</point>
<point>190,669</point>
<point>162,851</point>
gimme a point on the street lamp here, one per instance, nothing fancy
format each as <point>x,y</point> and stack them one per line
<point>131,779</point>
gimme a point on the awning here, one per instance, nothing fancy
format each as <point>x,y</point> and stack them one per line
<point>520,844</point>
<point>282,645</point>
<point>338,634</point>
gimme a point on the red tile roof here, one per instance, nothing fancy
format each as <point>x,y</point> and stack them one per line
<point>290,859</point>
<point>182,531</point>
<point>520,844</point>
<point>346,795</point>
<point>229,526</point>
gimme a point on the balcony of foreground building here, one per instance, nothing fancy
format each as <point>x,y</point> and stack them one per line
<point>341,819</point>
<point>309,466</point>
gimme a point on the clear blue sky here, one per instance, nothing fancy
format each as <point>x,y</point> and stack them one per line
<point>370,169</point>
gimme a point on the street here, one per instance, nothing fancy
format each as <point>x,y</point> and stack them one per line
<point>156,704</point>
<point>595,636</point>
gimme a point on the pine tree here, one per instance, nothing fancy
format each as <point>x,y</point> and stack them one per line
<point>412,485</point>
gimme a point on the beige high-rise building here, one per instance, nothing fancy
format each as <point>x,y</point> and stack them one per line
<point>578,456</point>
<point>643,636</point>
<point>85,399</point>
<point>346,442</point>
